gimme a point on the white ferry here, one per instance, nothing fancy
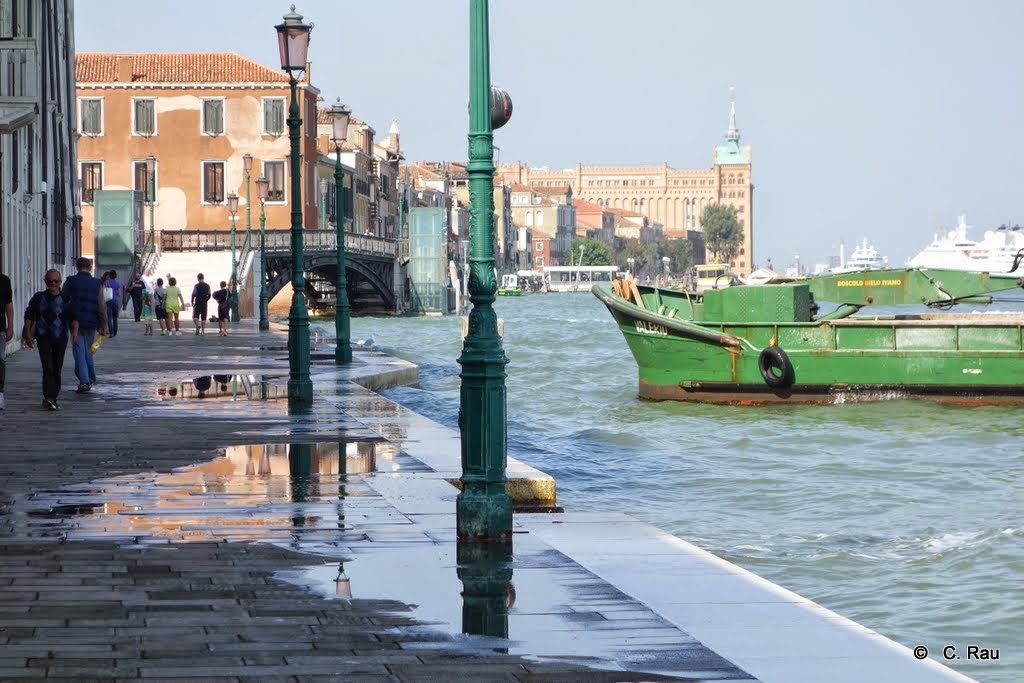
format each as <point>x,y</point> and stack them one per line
<point>995,253</point>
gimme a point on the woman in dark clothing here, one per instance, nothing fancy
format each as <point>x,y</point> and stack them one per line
<point>47,327</point>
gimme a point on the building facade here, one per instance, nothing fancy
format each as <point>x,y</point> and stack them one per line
<point>671,197</point>
<point>39,212</point>
<point>198,114</point>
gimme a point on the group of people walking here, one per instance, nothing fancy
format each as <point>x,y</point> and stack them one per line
<point>84,309</point>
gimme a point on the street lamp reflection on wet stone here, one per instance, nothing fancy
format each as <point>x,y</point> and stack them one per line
<point>263,191</point>
<point>293,44</point>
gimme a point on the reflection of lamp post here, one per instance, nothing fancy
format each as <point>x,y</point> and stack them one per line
<point>151,185</point>
<point>293,42</point>
<point>483,509</point>
<point>323,203</point>
<point>262,191</point>
<point>233,209</point>
<point>343,347</point>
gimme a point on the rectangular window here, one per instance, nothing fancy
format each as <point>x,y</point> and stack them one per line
<point>143,116</point>
<point>273,116</point>
<point>90,115</point>
<point>141,180</point>
<point>213,182</point>
<point>540,246</point>
<point>274,172</point>
<point>92,180</point>
<point>213,117</point>
<point>539,261</point>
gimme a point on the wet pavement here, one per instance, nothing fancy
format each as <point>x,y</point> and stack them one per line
<point>181,521</point>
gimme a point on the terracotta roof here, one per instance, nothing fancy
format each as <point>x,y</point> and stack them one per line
<point>560,189</point>
<point>172,67</point>
<point>516,187</point>
<point>582,205</point>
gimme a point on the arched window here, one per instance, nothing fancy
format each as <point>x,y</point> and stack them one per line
<point>529,218</point>
<point>540,218</point>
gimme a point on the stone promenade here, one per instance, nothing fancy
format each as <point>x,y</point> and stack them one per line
<point>112,569</point>
<point>180,521</point>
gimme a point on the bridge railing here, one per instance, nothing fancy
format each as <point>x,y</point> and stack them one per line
<point>195,240</point>
<point>324,240</point>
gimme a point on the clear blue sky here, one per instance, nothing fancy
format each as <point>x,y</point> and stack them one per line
<point>867,119</point>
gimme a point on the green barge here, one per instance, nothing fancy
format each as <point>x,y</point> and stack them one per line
<point>809,341</point>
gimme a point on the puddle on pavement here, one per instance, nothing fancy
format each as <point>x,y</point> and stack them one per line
<point>226,388</point>
<point>342,501</point>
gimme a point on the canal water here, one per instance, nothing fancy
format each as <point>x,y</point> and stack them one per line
<point>903,515</point>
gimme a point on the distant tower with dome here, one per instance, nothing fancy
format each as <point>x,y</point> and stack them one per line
<point>672,197</point>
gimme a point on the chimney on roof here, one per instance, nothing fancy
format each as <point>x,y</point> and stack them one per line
<point>125,64</point>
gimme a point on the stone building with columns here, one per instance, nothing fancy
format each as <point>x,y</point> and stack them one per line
<point>672,197</point>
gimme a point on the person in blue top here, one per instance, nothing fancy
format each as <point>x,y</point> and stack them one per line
<point>113,301</point>
<point>84,294</point>
<point>48,324</point>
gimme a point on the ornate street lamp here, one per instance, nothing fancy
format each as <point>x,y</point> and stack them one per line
<point>263,191</point>
<point>666,260</point>
<point>630,261</point>
<point>483,508</point>
<point>343,349</point>
<point>233,300</point>
<point>293,42</point>
<point>151,186</point>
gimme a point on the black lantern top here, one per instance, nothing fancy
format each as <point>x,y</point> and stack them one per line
<point>293,41</point>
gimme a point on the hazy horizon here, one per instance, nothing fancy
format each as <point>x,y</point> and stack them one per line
<point>875,120</point>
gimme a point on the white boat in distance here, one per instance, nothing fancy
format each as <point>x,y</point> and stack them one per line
<point>995,253</point>
<point>864,257</point>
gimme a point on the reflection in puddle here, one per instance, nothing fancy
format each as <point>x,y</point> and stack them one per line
<point>387,539</point>
<point>281,459</point>
<point>262,492</point>
<point>226,388</point>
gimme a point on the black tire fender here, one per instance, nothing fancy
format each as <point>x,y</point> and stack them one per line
<point>775,367</point>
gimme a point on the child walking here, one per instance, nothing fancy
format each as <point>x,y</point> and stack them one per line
<point>147,313</point>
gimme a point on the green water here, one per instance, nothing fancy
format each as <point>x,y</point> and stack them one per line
<point>905,516</point>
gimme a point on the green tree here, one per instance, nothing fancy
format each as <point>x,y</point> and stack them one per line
<point>722,231</point>
<point>595,253</point>
<point>679,250</point>
<point>643,256</point>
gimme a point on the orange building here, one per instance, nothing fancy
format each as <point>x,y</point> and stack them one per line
<point>198,114</point>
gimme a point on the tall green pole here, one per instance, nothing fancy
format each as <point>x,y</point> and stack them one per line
<point>483,508</point>
<point>342,333</point>
<point>152,204</point>
<point>234,275</point>
<point>300,386</point>
<point>264,313</point>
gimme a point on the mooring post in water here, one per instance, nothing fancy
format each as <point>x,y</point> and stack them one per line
<point>483,509</point>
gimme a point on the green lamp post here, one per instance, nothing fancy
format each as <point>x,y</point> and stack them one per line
<point>151,182</point>
<point>293,42</point>
<point>233,210</point>
<point>247,165</point>
<point>483,508</point>
<point>263,191</point>
<point>233,300</point>
<point>343,349</point>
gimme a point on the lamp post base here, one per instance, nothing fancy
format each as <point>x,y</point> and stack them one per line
<point>483,512</point>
